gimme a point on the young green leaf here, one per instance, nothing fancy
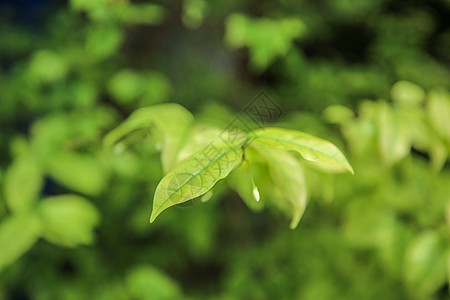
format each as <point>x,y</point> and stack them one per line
<point>199,138</point>
<point>149,283</point>
<point>394,136</point>
<point>287,175</point>
<point>22,184</point>
<point>80,172</point>
<point>338,114</point>
<point>425,263</point>
<point>195,175</point>
<point>172,120</point>
<point>310,147</point>
<point>241,182</point>
<point>407,93</point>
<point>18,234</point>
<point>68,219</point>
<point>438,108</point>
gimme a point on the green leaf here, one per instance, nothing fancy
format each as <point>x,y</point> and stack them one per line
<point>360,136</point>
<point>56,131</point>
<point>157,88</point>
<point>126,85</point>
<point>22,185</point>
<point>438,155</point>
<point>287,175</point>
<point>48,67</point>
<point>103,41</point>
<point>148,283</point>
<point>438,108</point>
<point>18,234</point>
<point>241,180</point>
<point>148,14</point>
<point>68,220</point>
<point>82,173</point>
<point>159,118</point>
<point>405,92</point>
<point>310,147</point>
<point>266,39</point>
<point>200,137</point>
<point>195,175</point>
<point>425,263</point>
<point>194,12</point>
<point>338,114</point>
<point>394,137</point>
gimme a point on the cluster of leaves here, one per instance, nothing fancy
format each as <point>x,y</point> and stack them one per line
<point>339,53</point>
<point>387,224</point>
<point>400,209</point>
<point>62,218</point>
<point>208,161</point>
<point>76,74</point>
<point>414,120</point>
<point>53,112</point>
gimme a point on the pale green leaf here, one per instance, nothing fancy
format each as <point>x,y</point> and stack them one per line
<point>266,38</point>
<point>287,175</point>
<point>195,175</point>
<point>423,137</point>
<point>68,220</point>
<point>145,13</point>
<point>338,114</point>
<point>309,147</point>
<point>425,263</point>
<point>194,12</point>
<point>200,137</point>
<point>82,173</point>
<point>157,88</point>
<point>148,283</point>
<point>171,120</point>
<point>22,185</point>
<point>421,133</point>
<point>360,136</point>
<point>103,41</point>
<point>48,67</point>
<point>393,135</point>
<point>2,202</point>
<point>438,108</point>
<point>405,92</point>
<point>241,182</point>
<point>18,234</point>
<point>438,154</point>
<point>126,85</point>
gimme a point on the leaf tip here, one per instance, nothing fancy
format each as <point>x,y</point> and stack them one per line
<point>294,223</point>
<point>153,216</point>
<point>350,169</point>
<point>295,220</point>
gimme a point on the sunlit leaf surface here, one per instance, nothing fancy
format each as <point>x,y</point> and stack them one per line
<point>195,175</point>
<point>310,147</point>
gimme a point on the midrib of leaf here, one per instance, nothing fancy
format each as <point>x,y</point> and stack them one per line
<point>157,212</point>
<point>301,145</point>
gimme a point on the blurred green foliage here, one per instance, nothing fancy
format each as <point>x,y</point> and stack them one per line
<point>370,76</point>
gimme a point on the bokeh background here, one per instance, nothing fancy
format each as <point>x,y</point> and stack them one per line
<point>371,76</point>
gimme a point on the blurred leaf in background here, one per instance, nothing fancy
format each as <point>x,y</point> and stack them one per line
<point>68,220</point>
<point>266,39</point>
<point>145,282</point>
